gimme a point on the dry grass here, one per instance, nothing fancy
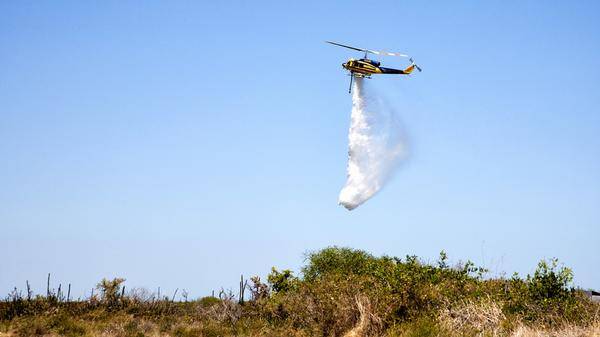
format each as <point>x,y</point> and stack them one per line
<point>369,323</point>
<point>469,318</point>
<point>484,317</point>
<point>566,331</point>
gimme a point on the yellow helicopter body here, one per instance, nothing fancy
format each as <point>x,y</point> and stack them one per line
<point>365,67</point>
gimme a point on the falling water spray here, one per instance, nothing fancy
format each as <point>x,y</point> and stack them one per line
<point>377,145</point>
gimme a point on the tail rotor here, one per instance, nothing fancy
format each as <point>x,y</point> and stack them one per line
<point>414,64</point>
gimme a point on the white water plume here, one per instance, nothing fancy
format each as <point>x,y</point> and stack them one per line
<point>377,146</point>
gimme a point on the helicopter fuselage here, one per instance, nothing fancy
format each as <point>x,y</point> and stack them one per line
<point>365,68</point>
<point>362,66</point>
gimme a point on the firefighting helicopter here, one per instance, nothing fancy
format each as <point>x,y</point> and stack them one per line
<point>364,67</point>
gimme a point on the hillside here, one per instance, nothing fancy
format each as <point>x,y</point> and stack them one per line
<point>339,292</point>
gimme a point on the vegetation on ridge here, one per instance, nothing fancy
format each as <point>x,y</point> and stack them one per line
<point>339,292</point>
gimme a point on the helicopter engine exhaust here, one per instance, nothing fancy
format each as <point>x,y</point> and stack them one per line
<point>377,145</point>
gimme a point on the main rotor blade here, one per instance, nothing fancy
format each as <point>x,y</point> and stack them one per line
<point>376,52</point>
<point>349,47</point>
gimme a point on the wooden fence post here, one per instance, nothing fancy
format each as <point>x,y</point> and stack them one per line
<point>28,291</point>
<point>242,289</point>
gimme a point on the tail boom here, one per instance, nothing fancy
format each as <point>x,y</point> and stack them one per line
<point>404,71</point>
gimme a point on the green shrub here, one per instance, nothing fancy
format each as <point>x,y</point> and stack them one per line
<point>335,260</point>
<point>550,282</point>
<point>417,287</point>
<point>208,301</point>
<point>282,281</point>
<point>547,296</point>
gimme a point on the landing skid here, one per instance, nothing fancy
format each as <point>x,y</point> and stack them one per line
<point>359,75</point>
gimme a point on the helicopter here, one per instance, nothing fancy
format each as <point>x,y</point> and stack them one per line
<point>365,67</point>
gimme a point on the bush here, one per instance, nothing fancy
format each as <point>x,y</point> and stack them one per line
<point>547,296</point>
<point>208,301</point>
<point>334,260</point>
<point>282,281</point>
<point>549,282</point>
<point>111,291</point>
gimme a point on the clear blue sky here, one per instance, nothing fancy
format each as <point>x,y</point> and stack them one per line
<point>180,144</point>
